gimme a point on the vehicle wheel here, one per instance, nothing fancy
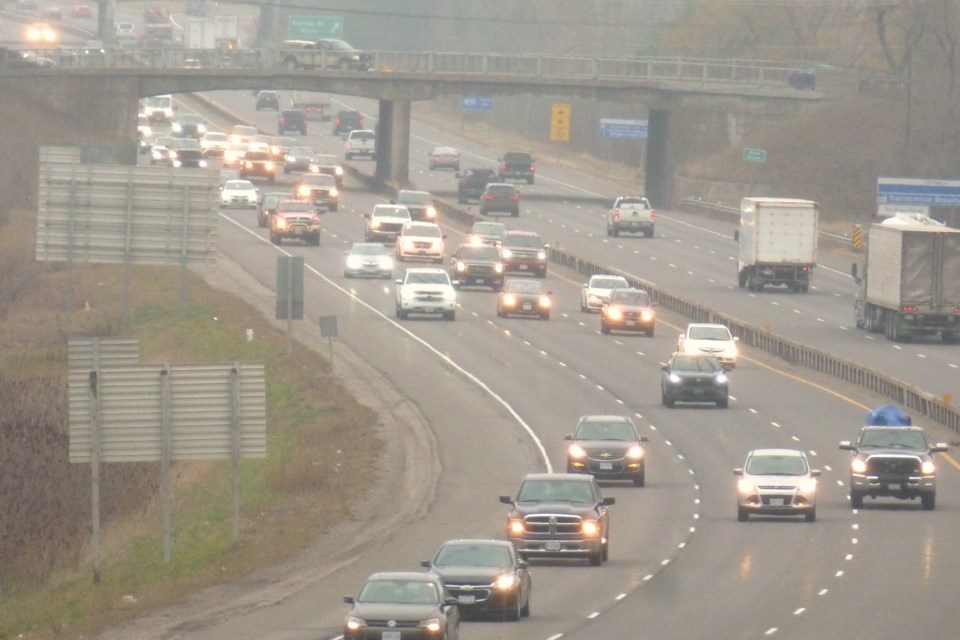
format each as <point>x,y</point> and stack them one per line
<point>290,64</point>
<point>457,285</point>
<point>583,307</point>
<point>525,609</point>
<point>669,402</point>
<point>856,500</point>
<point>402,314</point>
<point>530,180</point>
<point>514,613</point>
<point>605,552</point>
<point>499,313</point>
<point>742,279</point>
<point>615,232</point>
<point>604,328</point>
<point>742,514</point>
<point>640,479</point>
<point>261,222</point>
<point>596,559</point>
<point>649,332</point>
<point>648,232</point>
<point>344,65</point>
<point>315,241</point>
<point>663,398</point>
<point>811,516</point>
<point>275,239</point>
<point>609,232</point>
<point>948,337</point>
<point>450,315</point>
<point>335,207</point>
<point>542,273</point>
<point>723,403</point>
<point>497,288</point>
<point>928,501</point>
<point>544,316</point>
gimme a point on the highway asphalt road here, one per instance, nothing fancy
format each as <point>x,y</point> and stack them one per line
<point>494,391</point>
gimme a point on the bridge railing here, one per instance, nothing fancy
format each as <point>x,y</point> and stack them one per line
<point>694,70</point>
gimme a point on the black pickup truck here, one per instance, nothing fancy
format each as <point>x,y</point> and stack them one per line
<point>472,182</point>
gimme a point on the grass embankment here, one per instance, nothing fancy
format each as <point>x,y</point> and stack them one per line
<point>316,434</point>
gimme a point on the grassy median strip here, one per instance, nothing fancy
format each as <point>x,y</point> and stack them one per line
<point>321,448</point>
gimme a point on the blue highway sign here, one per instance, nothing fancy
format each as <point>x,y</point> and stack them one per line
<point>623,129</point>
<point>918,191</point>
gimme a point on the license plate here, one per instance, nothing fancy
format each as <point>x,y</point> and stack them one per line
<point>631,323</point>
<point>480,280</point>
<point>776,502</point>
<point>895,486</point>
<point>528,307</point>
<point>467,599</point>
<point>606,466</point>
<point>423,251</point>
<point>523,267</point>
<point>552,546</point>
<point>390,635</point>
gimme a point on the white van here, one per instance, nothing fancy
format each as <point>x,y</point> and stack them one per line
<point>159,108</point>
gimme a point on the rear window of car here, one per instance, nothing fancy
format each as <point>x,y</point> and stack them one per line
<point>292,114</point>
<point>501,190</point>
<point>256,155</point>
<point>514,157</point>
<point>319,179</point>
<point>635,201</point>
<point>362,135</point>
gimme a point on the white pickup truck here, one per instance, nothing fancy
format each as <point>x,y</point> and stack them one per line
<point>630,214</point>
<point>360,142</point>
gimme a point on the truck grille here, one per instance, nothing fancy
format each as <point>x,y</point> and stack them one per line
<point>479,591</point>
<point>553,524</point>
<point>604,455</point>
<point>893,466</point>
<point>482,269</point>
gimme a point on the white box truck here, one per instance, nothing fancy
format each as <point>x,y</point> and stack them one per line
<point>778,243</point>
<point>911,279</point>
<point>199,34</point>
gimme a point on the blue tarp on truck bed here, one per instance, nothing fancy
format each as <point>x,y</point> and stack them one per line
<point>888,415</point>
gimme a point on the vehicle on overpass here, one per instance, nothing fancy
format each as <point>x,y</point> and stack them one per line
<point>326,53</point>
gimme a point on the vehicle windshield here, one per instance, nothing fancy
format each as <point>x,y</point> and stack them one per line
<point>640,201</point>
<point>300,151</point>
<point>444,151</point>
<point>555,491</point>
<point>696,364</point>
<point>709,333</point>
<point>325,159</point>
<point>159,102</point>
<point>295,206</point>
<point>619,431</point>
<point>319,180</point>
<point>414,197</point>
<point>517,158</point>
<point>489,229</point>
<point>215,137</point>
<point>186,143</point>
<point>501,190</point>
<point>776,465</point>
<point>399,592</point>
<point>428,277</point>
<point>608,283</point>
<point>256,155</point>
<point>893,438</point>
<point>479,252</point>
<point>632,297</point>
<point>164,142</point>
<point>390,211</point>
<point>523,286</point>
<point>338,44</point>
<point>239,185</point>
<point>423,231</point>
<point>523,241</point>
<point>273,198</point>
<point>190,118</point>
<point>473,555</point>
<point>369,249</point>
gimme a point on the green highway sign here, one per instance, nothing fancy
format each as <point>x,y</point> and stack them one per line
<point>313,27</point>
<point>755,155</point>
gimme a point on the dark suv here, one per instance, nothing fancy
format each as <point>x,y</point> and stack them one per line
<point>347,121</point>
<point>608,447</point>
<point>628,310</point>
<point>258,164</point>
<point>559,515</point>
<point>472,182</point>
<point>268,100</point>
<point>893,461</point>
<point>476,265</point>
<point>525,252</point>
<point>501,198</point>
<point>517,165</point>
<point>292,120</point>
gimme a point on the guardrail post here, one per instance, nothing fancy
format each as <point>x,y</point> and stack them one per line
<point>539,66</point>
<point>430,62</point>
<point>485,64</point>
<point>596,67</point>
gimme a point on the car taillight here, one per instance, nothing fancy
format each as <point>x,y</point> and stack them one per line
<point>338,122</point>
<point>487,196</point>
<point>532,168</point>
<point>653,214</point>
<point>503,166</point>
<point>514,197</point>
<point>616,214</point>
<point>361,122</point>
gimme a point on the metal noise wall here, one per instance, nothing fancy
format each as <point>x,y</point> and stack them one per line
<point>124,214</point>
<point>199,409</point>
<point>92,353</point>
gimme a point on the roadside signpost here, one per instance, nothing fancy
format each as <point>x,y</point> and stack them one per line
<point>313,27</point>
<point>560,122</point>
<point>755,155</point>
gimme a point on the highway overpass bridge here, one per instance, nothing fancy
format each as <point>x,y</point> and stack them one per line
<point>94,96</point>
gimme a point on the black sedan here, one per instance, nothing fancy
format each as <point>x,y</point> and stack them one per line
<point>523,298</point>
<point>485,576</point>
<point>694,378</point>
<point>402,605</point>
<point>628,310</point>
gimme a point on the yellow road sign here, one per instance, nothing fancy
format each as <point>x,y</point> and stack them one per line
<point>560,122</point>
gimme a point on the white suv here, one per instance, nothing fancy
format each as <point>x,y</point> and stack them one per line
<point>426,290</point>
<point>710,339</point>
<point>420,240</point>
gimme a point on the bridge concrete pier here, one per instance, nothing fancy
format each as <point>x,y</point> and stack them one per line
<point>393,142</point>
<point>98,113</point>
<point>658,181</point>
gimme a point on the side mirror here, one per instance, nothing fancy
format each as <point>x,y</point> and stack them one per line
<point>425,563</point>
<point>738,472</point>
<point>644,439</point>
<point>506,500</point>
<point>736,338</point>
<point>366,215</point>
<point>348,599</point>
<point>940,447</point>
<point>569,436</point>
<point>608,501</point>
<point>664,367</point>
<point>846,445</point>
<point>398,281</point>
<point>815,472</point>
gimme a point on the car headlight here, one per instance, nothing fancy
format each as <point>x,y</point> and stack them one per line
<point>269,165</point>
<point>280,223</point>
<point>721,378</point>
<point>461,266</point>
<point>498,268</point>
<point>201,129</point>
<point>506,253</point>
<point>614,313</point>
<point>173,155</point>
<point>338,171</point>
<point>506,582</point>
<point>858,465</point>
<point>354,262</point>
<point>635,452</point>
<point>674,378</point>
<point>544,302</point>
<point>432,625</point>
<point>202,163</point>
<point>248,164</point>
<point>431,212</point>
<point>541,255</point>
<point>807,486</point>
<point>314,169</point>
<point>176,127</point>
<point>450,295</point>
<point>646,315</point>
<point>291,158</point>
<point>354,623</point>
<point>576,452</point>
<point>374,224</point>
<point>515,527</point>
<point>386,262</point>
<point>303,191</point>
<point>334,193</point>
<point>590,528</point>
<point>928,468</point>
<point>746,487</point>
<point>509,300</point>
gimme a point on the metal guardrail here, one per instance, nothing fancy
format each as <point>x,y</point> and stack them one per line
<point>697,71</point>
